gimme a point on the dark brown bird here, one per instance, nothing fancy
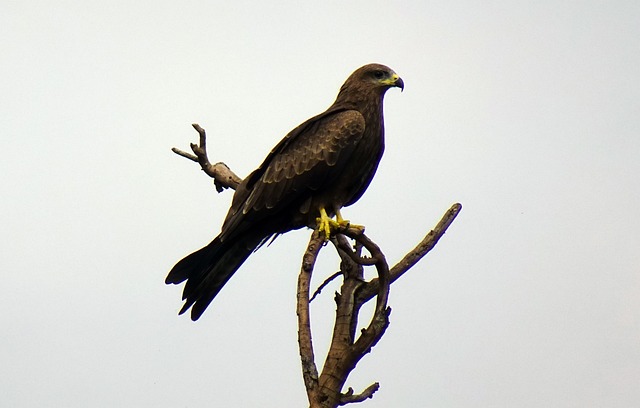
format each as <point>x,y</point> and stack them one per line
<point>324,164</point>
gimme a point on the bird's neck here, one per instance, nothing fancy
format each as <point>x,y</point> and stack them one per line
<point>369,103</point>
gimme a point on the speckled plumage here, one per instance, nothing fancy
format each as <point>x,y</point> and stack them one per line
<point>326,162</point>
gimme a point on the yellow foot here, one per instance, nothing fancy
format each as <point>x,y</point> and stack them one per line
<point>326,224</point>
<point>346,223</point>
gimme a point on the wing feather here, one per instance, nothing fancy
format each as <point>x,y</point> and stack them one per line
<point>309,158</point>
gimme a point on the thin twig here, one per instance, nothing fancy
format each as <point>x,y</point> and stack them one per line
<point>222,175</point>
<point>325,283</point>
<point>349,398</point>
<point>184,154</point>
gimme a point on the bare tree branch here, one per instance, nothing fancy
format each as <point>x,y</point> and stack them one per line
<point>346,349</point>
<point>423,248</point>
<point>184,154</point>
<point>341,242</point>
<point>427,244</point>
<point>380,320</point>
<point>349,398</point>
<point>325,283</point>
<point>305,344</point>
<point>222,176</point>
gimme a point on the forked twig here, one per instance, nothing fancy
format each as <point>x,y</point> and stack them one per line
<point>222,175</point>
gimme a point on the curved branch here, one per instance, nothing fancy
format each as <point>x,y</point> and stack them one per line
<point>380,320</point>
<point>222,176</point>
<point>342,244</point>
<point>325,283</point>
<point>305,344</point>
<point>423,248</point>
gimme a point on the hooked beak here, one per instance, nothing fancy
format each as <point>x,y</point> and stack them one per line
<point>396,81</point>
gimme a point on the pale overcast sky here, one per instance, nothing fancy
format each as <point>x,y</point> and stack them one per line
<point>527,113</point>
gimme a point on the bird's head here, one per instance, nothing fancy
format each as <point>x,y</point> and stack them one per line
<point>380,76</point>
<point>368,79</point>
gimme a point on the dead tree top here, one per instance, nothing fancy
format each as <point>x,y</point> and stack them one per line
<point>347,347</point>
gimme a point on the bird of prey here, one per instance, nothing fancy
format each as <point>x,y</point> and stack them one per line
<point>322,165</point>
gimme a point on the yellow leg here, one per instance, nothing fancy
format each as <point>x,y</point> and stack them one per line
<point>325,224</point>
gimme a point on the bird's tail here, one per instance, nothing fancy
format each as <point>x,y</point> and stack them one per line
<point>208,269</point>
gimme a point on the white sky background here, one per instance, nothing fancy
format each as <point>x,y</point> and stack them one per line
<point>525,112</point>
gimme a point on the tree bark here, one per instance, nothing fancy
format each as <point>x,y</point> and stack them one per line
<point>324,390</point>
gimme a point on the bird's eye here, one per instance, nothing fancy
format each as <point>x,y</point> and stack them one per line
<point>378,74</point>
